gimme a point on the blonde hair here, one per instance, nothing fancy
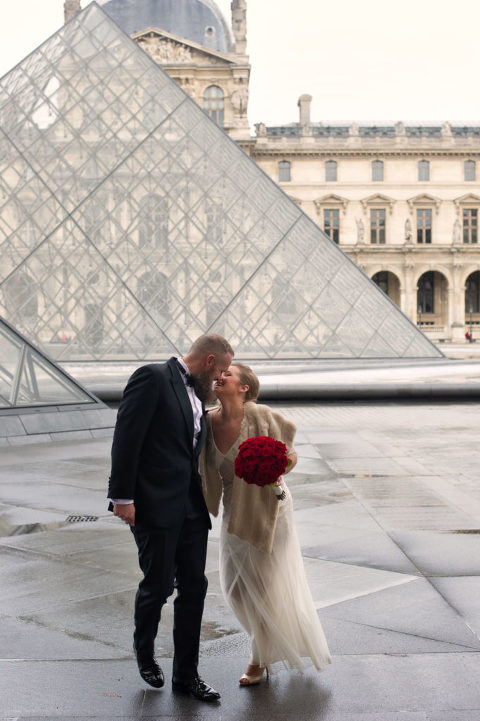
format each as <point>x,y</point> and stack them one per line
<point>248,378</point>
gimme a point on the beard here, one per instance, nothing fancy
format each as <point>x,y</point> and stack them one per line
<point>203,387</point>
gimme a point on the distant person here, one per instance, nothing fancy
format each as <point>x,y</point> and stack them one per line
<point>261,567</point>
<point>155,487</point>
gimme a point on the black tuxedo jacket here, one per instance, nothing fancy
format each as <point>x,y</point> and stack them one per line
<point>153,460</point>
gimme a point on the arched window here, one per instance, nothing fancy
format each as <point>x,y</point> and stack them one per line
<point>214,103</point>
<point>284,171</point>
<point>469,170</point>
<point>20,291</point>
<point>153,226</point>
<point>331,170</point>
<point>472,293</point>
<point>425,293</point>
<point>377,170</point>
<point>424,170</point>
<point>154,294</point>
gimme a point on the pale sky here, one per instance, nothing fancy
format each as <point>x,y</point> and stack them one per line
<point>375,60</point>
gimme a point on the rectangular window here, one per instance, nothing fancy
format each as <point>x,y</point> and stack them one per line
<point>331,224</point>
<point>470,225</point>
<point>331,170</point>
<point>284,171</point>
<point>377,170</point>
<point>424,225</point>
<point>469,170</point>
<point>424,170</point>
<point>377,225</point>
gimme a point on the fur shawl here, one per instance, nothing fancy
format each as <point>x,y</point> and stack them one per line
<point>254,510</point>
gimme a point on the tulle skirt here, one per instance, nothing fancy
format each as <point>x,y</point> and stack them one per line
<point>269,594</point>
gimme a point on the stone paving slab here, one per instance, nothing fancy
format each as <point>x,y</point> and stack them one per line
<point>451,554</point>
<point>375,684</point>
<point>391,558</point>
<point>414,608</point>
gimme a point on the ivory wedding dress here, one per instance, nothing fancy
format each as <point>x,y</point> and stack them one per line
<point>268,592</point>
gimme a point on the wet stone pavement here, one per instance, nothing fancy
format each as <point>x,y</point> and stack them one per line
<point>387,500</point>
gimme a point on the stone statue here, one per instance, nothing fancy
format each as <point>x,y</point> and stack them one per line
<point>408,231</point>
<point>70,9</point>
<point>400,129</point>
<point>239,100</point>
<point>446,130</point>
<point>239,19</point>
<point>457,232</point>
<point>261,130</point>
<point>360,230</point>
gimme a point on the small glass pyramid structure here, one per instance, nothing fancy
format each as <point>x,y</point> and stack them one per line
<point>28,378</point>
<point>130,223</point>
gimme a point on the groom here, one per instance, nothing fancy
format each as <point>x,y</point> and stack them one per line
<point>155,487</point>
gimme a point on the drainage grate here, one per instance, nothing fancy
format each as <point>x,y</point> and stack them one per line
<point>466,530</point>
<point>79,519</point>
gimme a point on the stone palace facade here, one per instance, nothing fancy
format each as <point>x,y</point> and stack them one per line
<point>401,200</point>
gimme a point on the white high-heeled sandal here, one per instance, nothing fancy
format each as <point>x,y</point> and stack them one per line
<point>253,680</point>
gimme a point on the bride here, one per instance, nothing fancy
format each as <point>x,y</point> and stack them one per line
<point>261,568</point>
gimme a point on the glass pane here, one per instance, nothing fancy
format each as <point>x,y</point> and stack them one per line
<point>10,355</point>
<point>28,379</point>
<point>41,385</point>
<point>132,224</point>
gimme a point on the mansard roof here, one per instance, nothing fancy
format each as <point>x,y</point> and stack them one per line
<point>197,20</point>
<point>367,130</point>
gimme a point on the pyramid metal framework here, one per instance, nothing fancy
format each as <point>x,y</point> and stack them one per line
<point>130,223</point>
<point>28,378</point>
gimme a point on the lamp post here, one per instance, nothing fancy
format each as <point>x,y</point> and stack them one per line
<point>419,312</point>
<point>471,312</point>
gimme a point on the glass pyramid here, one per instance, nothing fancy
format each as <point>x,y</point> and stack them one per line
<point>130,223</point>
<point>28,378</point>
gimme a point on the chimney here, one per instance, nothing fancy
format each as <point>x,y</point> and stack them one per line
<point>239,25</point>
<point>304,102</point>
<point>70,9</point>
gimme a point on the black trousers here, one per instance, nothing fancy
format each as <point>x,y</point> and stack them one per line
<point>172,558</point>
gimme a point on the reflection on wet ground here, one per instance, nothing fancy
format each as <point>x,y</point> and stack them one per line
<point>387,507</point>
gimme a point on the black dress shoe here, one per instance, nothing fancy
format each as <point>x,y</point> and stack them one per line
<point>196,688</point>
<point>151,672</point>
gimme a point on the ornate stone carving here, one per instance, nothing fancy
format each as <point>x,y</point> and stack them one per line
<point>261,130</point>
<point>189,86</point>
<point>239,100</point>
<point>71,8</point>
<point>165,51</point>
<point>239,20</point>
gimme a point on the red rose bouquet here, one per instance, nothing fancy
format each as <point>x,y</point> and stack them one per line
<point>262,460</point>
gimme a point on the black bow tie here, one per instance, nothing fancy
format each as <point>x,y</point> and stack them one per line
<point>188,376</point>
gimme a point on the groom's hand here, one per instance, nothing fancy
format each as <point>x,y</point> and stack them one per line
<point>125,511</point>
